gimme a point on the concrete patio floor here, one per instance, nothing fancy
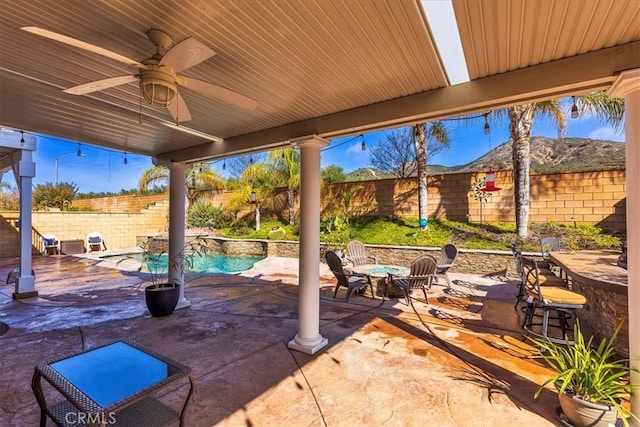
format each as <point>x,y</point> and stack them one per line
<point>459,361</point>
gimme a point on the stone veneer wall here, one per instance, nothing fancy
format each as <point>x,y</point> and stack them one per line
<point>606,310</point>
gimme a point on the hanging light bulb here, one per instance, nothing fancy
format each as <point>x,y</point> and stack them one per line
<point>251,160</point>
<point>487,129</point>
<point>224,164</point>
<point>125,161</point>
<point>79,152</point>
<point>22,137</point>
<point>363,146</point>
<point>574,109</point>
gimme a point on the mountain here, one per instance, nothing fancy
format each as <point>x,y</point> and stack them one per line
<point>548,155</point>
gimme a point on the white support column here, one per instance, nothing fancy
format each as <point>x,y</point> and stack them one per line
<point>177,217</point>
<point>308,339</point>
<point>26,170</point>
<point>627,86</point>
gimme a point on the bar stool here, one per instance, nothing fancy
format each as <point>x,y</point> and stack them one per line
<point>541,294</point>
<point>548,278</point>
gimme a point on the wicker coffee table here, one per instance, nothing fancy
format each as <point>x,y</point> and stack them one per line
<point>111,385</point>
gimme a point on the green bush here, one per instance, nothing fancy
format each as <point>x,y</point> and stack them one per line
<point>204,214</point>
<point>277,233</point>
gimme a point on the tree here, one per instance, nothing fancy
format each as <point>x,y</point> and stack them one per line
<point>607,110</point>
<point>286,172</point>
<point>51,195</point>
<point>9,197</point>
<point>333,173</point>
<point>257,178</point>
<point>397,153</point>
<point>237,165</point>
<point>199,177</point>
<point>428,139</point>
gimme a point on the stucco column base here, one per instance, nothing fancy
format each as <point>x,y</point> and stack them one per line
<point>183,303</point>
<point>308,346</point>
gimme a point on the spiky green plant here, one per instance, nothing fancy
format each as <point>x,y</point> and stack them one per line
<point>587,372</point>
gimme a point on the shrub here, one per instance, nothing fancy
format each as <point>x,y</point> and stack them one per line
<point>204,214</point>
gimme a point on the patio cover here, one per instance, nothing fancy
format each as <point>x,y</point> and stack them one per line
<point>321,68</point>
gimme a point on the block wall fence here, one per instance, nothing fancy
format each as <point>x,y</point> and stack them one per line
<point>593,197</point>
<point>118,230</point>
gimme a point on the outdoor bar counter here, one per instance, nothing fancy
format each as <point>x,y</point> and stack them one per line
<point>596,275</point>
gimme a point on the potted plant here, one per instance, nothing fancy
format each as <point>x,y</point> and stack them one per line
<point>161,296</point>
<point>592,384</point>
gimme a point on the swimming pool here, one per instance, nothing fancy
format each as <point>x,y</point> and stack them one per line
<point>208,263</point>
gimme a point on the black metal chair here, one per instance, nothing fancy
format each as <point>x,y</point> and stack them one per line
<point>421,276</point>
<point>548,298</point>
<point>347,279</point>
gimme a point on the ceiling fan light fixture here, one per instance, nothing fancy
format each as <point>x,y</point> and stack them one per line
<point>158,87</point>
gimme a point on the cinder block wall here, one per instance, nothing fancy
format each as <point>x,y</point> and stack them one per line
<point>595,197</point>
<point>118,230</point>
<point>127,203</point>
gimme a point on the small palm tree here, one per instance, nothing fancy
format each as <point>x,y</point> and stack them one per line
<point>286,167</point>
<point>199,177</point>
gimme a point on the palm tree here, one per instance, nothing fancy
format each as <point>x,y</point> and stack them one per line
<point>286,167</point>
<point>199,177</point>
<point>257,178</point>
<point>427,138</point>
<point>607,110</point>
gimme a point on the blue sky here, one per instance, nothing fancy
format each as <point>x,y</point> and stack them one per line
<point>103,170</point>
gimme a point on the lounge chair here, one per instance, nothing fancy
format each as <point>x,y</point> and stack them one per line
<point>345,278</point>
<point>50,244</point>
<point>94,242</point>
<point>447,257</point>
<point>357,254</point>
<point>421,275</point>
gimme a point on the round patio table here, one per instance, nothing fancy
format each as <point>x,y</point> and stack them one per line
<point>380,272</point>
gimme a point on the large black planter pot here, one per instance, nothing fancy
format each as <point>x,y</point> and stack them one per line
<point>161,298</point>
<point>581,413</point>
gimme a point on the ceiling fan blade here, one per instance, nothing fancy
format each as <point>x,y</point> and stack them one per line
<point>179,110</point>
<point>223,94</point>
<point>97,85</point>
<point>185,54</point>
<point>83,45</point>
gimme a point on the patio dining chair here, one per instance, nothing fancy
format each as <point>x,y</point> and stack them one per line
<point>357,254</point>
<point>550,244</point>
<point>345,278</point>
<point>447,257</point>
<point>546,275</point>
<point>421,276</point>
<point>548,298</point>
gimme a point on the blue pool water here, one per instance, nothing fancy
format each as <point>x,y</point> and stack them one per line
<point>208,263</point>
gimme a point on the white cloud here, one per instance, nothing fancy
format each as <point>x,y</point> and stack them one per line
<point>606,133</point>
<point>356,149</point>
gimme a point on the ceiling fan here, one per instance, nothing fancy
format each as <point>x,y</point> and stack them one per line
<point>157,76</point>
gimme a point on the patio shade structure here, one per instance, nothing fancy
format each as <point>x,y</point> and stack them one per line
<point>317,70</point>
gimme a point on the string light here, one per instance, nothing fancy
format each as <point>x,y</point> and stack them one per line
<point>22,137</point>
<point>487,129</point>
<point>79,152</point>
<point>125,161</point>
<point>574,109</point>
<point>363,146</point>
<point>224,164</point>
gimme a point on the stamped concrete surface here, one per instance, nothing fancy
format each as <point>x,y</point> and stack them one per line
<point>459,361</point>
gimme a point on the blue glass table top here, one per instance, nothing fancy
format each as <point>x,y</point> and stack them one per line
<point>377,270</point>
<point>113,372</point>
